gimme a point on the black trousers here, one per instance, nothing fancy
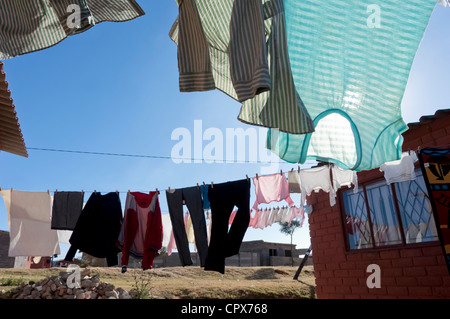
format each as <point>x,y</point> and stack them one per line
<point>225,243</point>
<point>193,200</point>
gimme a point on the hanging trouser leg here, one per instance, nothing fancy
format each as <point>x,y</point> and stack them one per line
<point>224,243</point>
<point>175,204</point>
<point>193,199</point>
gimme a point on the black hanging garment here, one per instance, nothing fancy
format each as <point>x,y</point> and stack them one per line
<point>67,207</point>
<point>225,243</point>
<point>98,228</point>
<point>193,199</point>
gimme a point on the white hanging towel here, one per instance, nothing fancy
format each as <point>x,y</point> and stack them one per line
<point>315,179</point>
<point>343,177</point>
<point>30,232</point>
<point>400,170</point>
<point>167,229</point>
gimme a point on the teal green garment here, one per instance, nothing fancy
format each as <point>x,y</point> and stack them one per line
<point>350,62</point>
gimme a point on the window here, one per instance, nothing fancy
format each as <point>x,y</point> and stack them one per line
<point>287,253</point>
<point>272,252</point>
<point>380,215</point>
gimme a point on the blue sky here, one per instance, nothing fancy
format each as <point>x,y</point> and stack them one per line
<point>114,88</point>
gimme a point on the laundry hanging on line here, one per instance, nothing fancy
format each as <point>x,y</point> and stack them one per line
<point>30,25</point>
<point>263,218</point>
<point>192,198</point>
<point>214,43</point>
<point>85,235</point>
<point>30,222</point>
<point>351,73</point>
<point>66,209</point>
<point>141,234</point>
<point>269,188</point>
<point>68,204</point>
<point>226,241</point>
<point>400,170</point>
<point>98,228</point>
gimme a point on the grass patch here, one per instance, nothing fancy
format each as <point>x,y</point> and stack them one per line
<point>191,282</point>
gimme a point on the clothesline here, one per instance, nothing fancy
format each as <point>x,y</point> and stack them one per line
<point>157,189</point>
<point>151,156</point>
<point>164,157</point>
<point>167,157</point>
<point>212,182</point>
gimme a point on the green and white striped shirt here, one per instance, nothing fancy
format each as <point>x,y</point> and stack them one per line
<point>31,25</point>
<point>240,48</point>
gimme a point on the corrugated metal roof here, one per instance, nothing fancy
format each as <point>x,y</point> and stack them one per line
<point>11,138</point>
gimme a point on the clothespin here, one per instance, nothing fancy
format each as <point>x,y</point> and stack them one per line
<point>281,172</point>
<point>292,169</point>
<point>48,192</point>
<point>95,192</point>
<point>157,191</point>
<point>198,186</point>
<point>212,184</point>
<point>128,191</point>
<point>204,184</point>
<point>117,192</point>
<point>247,177</point>
<point>256,175</point>
<point>82,191</point>
<point>298,168</point>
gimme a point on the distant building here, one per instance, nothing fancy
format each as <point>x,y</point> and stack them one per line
<point>252,253</point>
<point>275,254</point>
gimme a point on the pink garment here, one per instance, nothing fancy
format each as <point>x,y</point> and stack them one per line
<point>208,226</point>
<point>255,218</point>
<point>262,220</point>
<point>269,188</point>
<point>233,214</point>
<point>298,212</point>
<point>172,244</point>
<point>273,216</point>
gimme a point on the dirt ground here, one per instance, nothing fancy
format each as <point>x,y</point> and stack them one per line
<point>191,282</point>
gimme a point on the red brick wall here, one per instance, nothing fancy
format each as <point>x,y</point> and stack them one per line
<point>411,272</point>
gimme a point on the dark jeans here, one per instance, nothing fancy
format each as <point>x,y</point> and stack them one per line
<point>223,243</point>
<point>193,200</point>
